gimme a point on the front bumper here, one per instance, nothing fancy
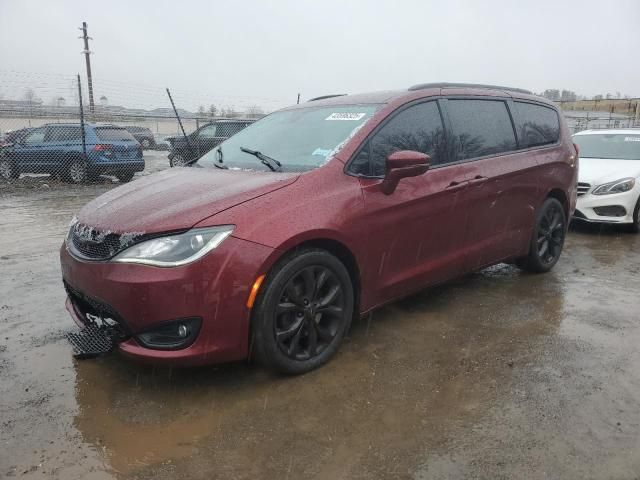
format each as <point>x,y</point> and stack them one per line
<point>214,288</point>
<point>594,208</point>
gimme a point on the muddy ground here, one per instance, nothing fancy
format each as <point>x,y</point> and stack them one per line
<point>497,375</point>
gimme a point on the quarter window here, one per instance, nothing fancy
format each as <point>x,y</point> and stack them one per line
<point>208,132</point>
<point>417,128</point>
<point>479,128</point>
<point>536,125</point>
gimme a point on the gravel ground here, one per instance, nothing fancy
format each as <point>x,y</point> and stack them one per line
<point>497,375</point>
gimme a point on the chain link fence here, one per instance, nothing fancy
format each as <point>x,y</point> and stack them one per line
<point>50,132</point>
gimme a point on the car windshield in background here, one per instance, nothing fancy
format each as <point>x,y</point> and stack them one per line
<point>300,139</point>
<point>112,134</point>
<point>619,146</point>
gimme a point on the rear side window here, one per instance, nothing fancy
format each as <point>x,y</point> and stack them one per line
<point>64,134</point>
<point>417,128</point>
<point>479,128</point>
<point>536,125</point>
<point>112,134</point>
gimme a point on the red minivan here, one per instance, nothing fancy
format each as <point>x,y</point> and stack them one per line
<point>315,214</point>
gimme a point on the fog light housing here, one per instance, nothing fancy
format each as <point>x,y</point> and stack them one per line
<point>172,335</point>
<point>610,211</point>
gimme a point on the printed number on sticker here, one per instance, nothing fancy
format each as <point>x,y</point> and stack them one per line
<point>345,116</point>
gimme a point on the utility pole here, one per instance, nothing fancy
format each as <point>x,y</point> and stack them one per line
<point>87,52</point>
<point>298,99</point>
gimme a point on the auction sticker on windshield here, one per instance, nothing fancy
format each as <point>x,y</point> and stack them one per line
<point>346,116</point>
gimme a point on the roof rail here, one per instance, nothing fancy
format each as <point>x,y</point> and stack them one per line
<point>422,86</point>
<point>324,97</point>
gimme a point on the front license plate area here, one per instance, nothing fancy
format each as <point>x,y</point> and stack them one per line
<point>92,341</point>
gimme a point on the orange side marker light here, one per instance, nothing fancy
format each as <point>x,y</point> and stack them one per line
<point>254,291</point>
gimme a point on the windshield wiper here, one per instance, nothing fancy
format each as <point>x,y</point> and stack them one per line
<point>273,164</point>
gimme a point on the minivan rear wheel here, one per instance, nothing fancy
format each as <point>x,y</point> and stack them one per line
<point>303,312</point>
<point>548,238</point>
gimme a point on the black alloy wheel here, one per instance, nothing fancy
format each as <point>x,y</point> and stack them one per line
<point>309,313</point>
<point>303,311</point>
<point>548,238</point>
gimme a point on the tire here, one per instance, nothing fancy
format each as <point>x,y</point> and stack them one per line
<point>178,161</point>
<point>77,172</point>
<point>302,312</point>
<point>8,170</point>
<point>145,143</point>
<point>547,239</point>
<point>124,177</point>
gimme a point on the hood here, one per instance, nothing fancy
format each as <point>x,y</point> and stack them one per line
<point>177,198</point>
<point>597,171</point>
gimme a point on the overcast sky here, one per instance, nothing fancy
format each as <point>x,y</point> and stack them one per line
<point>265,52</point>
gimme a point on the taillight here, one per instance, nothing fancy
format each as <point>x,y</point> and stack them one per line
<point>102,148</point>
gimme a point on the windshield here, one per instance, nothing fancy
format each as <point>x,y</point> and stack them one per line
<point>620,146</point>
<point>300,139</point>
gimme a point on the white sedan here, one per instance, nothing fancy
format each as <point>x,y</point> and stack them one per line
<point>609,177</point>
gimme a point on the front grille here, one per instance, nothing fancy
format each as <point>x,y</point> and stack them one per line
<point>89,309</point>
<point>92,244</point>
<point>583,188</point>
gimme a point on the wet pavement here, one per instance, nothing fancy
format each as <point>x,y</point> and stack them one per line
<point>497,375</point>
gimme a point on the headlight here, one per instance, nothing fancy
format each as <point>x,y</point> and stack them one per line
<point>175,250</point>
<point>619,186</point>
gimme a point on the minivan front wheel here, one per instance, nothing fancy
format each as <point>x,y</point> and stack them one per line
<point>548,238</point>
<point>303,312</point>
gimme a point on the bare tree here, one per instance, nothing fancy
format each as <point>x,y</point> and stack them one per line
<point>212,110</point>
<point>254,111</point>
<point>201,111</point>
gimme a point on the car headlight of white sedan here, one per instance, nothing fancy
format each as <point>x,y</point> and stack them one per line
<point>618,186</point>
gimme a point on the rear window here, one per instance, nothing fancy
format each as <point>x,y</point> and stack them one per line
<point>613,145</point>
<point>480,127</point>
<point>113,134</point>
<point>536,125</point>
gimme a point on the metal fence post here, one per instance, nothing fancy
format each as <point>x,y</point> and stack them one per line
<point>84,139</point>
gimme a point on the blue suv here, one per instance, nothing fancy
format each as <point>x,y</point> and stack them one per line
<point>58,149</point>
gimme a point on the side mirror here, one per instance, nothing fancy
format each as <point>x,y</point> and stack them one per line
<point>405,163</point>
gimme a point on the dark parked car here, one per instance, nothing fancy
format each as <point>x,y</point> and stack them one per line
<point>143,135</point>
<point>183,151</point>
<point>315,215</point>
<point>58,149</point>
<point>13,136</point>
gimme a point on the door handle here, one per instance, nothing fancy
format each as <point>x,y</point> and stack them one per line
<point>455,185</point>
<point>478,179</point>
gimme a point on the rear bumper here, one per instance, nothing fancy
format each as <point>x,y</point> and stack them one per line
<point>136,165</point>
<point>215,289</point>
